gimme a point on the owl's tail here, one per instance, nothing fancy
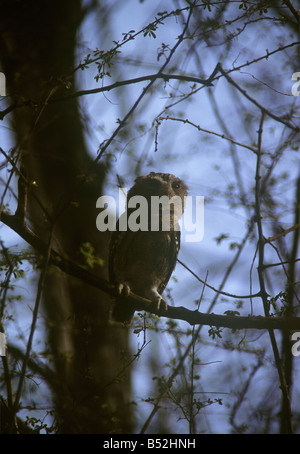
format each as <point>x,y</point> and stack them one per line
<point>122,312</point>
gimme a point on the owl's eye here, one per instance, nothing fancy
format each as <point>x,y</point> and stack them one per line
<point>175,185</point>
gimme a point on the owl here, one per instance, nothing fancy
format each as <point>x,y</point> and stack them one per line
<point>143,256</point>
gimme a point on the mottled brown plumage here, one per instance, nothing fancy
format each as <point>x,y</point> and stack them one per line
<point>143,261</point>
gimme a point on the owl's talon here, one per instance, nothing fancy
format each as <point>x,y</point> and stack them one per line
<point>161,305</point>
<point>123,289</point>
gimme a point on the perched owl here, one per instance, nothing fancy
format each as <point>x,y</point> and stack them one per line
<point>143,256</point>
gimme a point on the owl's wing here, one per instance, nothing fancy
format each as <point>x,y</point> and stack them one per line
<point>174,249</point>
<point>112,251</point>
<point>115,239</point>
<point>121,310</point>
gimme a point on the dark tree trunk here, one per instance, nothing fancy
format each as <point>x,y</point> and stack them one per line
<point>37,46</point>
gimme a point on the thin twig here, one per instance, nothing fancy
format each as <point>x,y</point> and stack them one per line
<point>221,292</point>
<point>32,328</point>
<point>292,9</point>
<point>207,131</point>
<point>256,103</point>
<point>136,80</point>
<point>192,423</point>
<point>260,269</point>
<point>287,357</point>
<point>242,395</point>
<point>284,232</point>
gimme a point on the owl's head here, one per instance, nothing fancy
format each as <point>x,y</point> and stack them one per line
<point>155,186</point>
<point>158,184</point>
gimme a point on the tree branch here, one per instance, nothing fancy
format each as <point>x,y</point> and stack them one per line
<point>139,303</point>
<point>261,278</point>
<point>152,77</point>
<point>186,121</point>
<point>284,232</point>
<point>256,103</point>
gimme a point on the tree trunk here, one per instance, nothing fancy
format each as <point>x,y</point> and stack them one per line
<point>37,46</point>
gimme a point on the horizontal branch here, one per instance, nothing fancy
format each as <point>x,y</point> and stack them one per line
<point>151,77</point>
<point>93,91</point>
<point>139,303</point>
<point>284,232</point>
<point>166,77</point>
<point>222,136</point>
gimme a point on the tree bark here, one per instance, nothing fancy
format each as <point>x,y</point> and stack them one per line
<point>37,47</point>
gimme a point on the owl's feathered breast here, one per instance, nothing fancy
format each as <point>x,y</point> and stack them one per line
<point>144,259</point>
